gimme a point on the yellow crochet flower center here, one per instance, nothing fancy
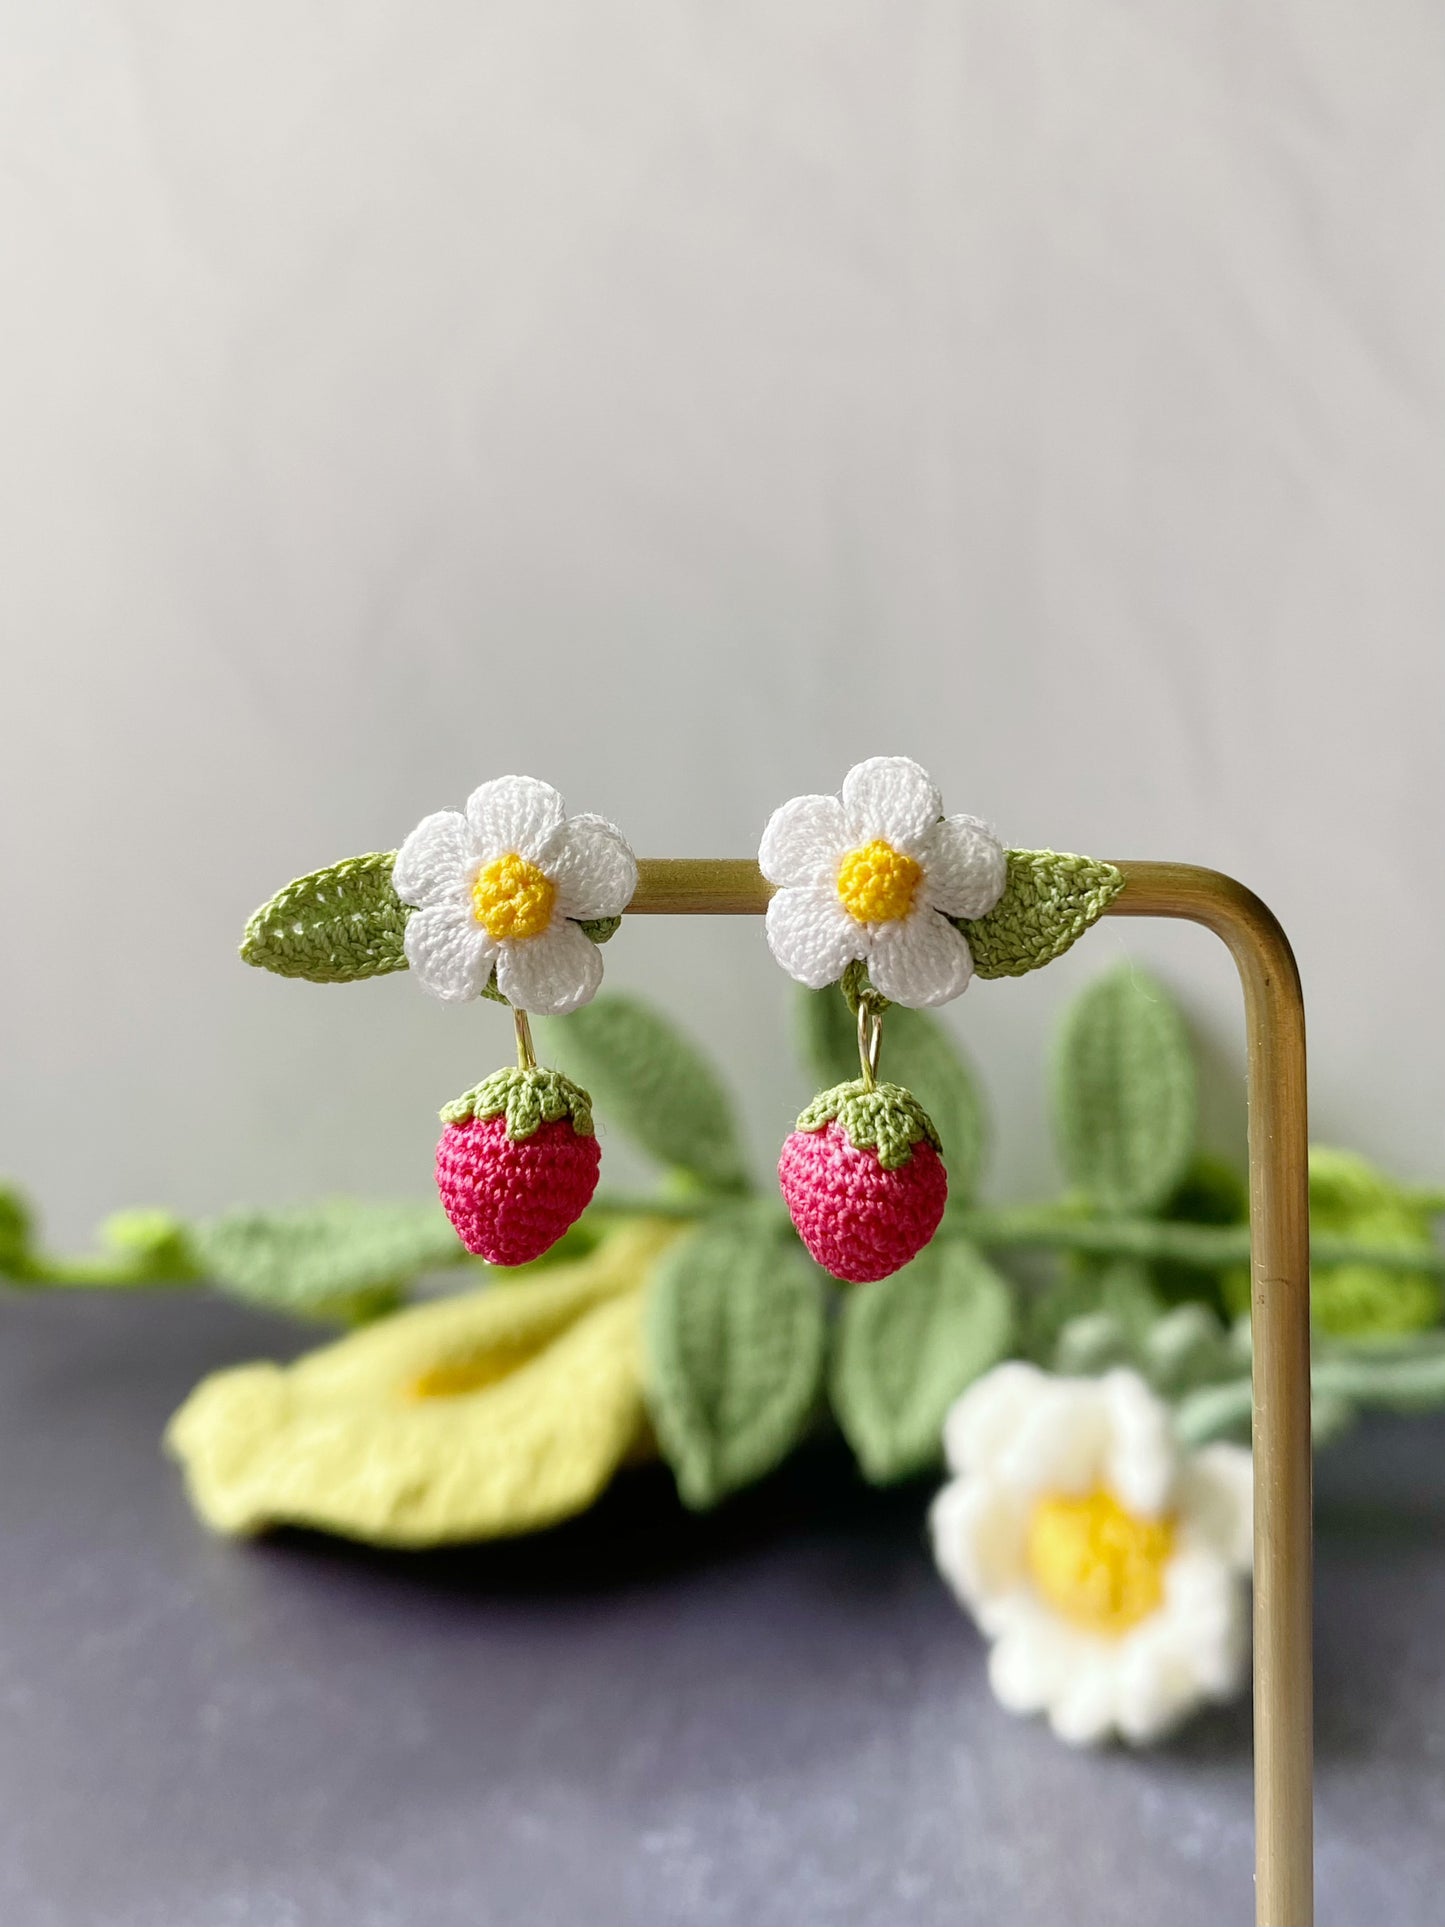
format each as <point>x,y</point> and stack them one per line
<point>1100,1566</point>
<point>876,882</point>
<point>512,899</point>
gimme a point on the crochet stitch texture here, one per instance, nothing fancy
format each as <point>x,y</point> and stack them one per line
<point>511,1199</point>
<point>860,1219</point>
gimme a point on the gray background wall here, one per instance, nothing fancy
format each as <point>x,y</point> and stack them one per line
<point>680,401</point>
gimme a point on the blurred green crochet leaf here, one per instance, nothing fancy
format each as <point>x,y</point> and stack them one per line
<point>1048,903</point>
<point>16,1231</point>
<point>1211,1192</point>
<point>334,926</point>
<point>905,1349</point>
<point>342,1259</point>
<point>918,1052</point>
<point>1352,1198</point>
<point>141,1247</point>
<point>157,1246</point>
<point>475,1417</point>
<point>1125,1108</point>
<point>735,1336</point>
<point>653,1082</point>
<point>1119,1288</point>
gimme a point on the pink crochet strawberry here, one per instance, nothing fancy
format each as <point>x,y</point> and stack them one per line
<point>517,1163</point>
<point>863,1179</point>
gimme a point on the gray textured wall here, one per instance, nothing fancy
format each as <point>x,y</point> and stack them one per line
<point>679,402</point>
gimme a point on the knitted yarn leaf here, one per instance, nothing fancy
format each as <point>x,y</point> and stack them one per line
<point>17,1228</point>
<point>1124,1098</point>
<point>334,926</point>
<point>342,1259</point>
<point>346,922</point>
<point>1048,903</point>
<point>734,1337</point>
<point>920,1053</point>
<point>1119,1287</point>
<point>905,1349</point>
<point>1352,1198</point>
<point>479,1416</point>
<point>653,1082</point>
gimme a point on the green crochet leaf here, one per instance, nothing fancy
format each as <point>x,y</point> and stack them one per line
<point>1352,1198</point>
<point>1125,1107</point>
<point>1048,903</point>
<point>919,1053</point>
<point>653,1082</point>
<point>155,1243</point>
<point>529,1099</point>
<point>734,1337</point>
<point>1118,1287</point>
<point>346,922</point>
<point>907,1346</point>
<point>334,926</point>
<point>341,1260</point>
<point>17,1229</point>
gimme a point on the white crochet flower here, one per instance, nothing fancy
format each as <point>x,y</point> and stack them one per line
<point>1105,1564</point>
<point>875,874</point>
<point>506,886</point>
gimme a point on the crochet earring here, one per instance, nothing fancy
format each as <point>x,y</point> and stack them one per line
<point>510,900</point>
<point>870,885</point>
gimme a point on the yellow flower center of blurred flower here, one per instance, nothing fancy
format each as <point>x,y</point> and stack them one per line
<point>1099,1565</point>
<point>511,899</point>
<point>877,882</point>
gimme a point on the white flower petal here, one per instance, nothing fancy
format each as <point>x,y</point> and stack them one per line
<point>965,867</point>
<point>1205,1618</point>
<point>812,936</point>
<point>978,1532</point>
<point>893,798</point>
<point>1142,1457</point>
<point>1156,1690</point>
<point>1083,1713</point>
<point>804,840</point>
<point>551,974</point>
<point>1215,1490</point>
<point>920,961</point>
<point>594,871</point>
<point>513,815</point>
<point>1185,1654</point>
<point>980,1423</point>
<point>449,951</point>
<point>437,862</point>
<point>1060,1441</point>
<point>1033,1660</point>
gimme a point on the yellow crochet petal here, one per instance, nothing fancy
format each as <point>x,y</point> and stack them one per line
<point>474,1418</point>
<point>506,1321</point>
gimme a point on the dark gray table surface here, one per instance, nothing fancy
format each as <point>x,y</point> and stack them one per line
<point>774,1716</point>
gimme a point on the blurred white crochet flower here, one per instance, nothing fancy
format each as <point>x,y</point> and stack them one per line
<point>506,886</point>
<point>1106,1565</point>
<point>875,874</point>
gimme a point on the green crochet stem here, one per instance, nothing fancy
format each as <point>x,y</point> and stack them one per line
<point>89,1274</point>
<point>1026,1228</point>
<point>1412,1382</point>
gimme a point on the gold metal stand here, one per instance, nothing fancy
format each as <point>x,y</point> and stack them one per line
<point>1279,1218</point>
